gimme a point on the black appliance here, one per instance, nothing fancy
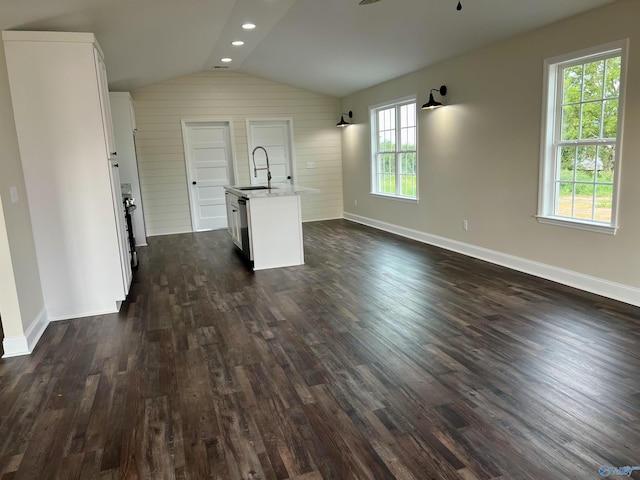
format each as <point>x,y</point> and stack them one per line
<point>129,207</point>
<point>244,228</point>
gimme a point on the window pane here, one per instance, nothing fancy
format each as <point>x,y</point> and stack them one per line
<point>570,122</point>
<point>408,185</point>
<point>591,120</point>
<point>587,163</point>
<point>408,139</point>
<point>572,84</point>
<point>387,183</point>
<point>604,203</point>
<point>593,81</point>
<point>567,164</point>
<point>564,202</point>
<point>387,163</point>
<point>610,125</point>
<point>583,206</point>
<point>606,155</point>
<point>612,76</point>
<point>408,174</point>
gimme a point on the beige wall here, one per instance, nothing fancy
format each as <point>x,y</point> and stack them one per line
<point>160,108</point>
<point>20,292</point>
<point>479,157</point>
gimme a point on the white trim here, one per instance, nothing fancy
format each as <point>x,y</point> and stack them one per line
<point>373,145</point>
<point>24,344</point>
<point>550,130</point>
<point>388,196</point>
<point>599,286</point>
<point>577,224</point>
<point>322,219</point>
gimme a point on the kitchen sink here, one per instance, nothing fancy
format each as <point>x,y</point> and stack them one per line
<point>255,187</point>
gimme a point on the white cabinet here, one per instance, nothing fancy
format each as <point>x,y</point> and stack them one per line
<point>124,128</point>
<point>105,106</point>
<point>273,225</point>
<point>57,82</point>
<point>121,227</point>
<point>233,218</point>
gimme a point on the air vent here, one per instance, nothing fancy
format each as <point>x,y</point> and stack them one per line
<point>220,66</point>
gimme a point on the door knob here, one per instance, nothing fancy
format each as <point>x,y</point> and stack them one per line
<point>194,182</point>
<point>288,177</point>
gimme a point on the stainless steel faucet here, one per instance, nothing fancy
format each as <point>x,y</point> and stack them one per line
<point>255,169</point>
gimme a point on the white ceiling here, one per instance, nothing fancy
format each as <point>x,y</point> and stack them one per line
<point>335,47</point>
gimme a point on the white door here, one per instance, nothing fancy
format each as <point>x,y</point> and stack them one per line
<point>209,162</point>
<point>276,136</point>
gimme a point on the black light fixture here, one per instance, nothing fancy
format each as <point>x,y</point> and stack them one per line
<point>343,123</point>
<point>459,7</point>
<point>431,104</point>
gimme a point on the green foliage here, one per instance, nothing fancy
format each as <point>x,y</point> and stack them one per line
<point>590,100</point>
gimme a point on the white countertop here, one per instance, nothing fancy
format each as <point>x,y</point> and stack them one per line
<point>277,190</point>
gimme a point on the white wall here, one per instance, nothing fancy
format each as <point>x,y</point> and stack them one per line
<point>21,301</point>
<point>159,109</point>
<point>479,158</point>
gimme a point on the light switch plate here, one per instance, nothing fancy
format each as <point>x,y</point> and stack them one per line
<point>14,194</point>
<point>311,164</point>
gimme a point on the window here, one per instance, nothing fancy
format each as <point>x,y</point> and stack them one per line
<point>394,155</point>
<point>581,139</point>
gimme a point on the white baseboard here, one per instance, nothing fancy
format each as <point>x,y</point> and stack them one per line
<point>320,219</point>
<point>599,286</point>
<point>24,344</point>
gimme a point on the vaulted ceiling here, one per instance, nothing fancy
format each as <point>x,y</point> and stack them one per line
<point>335,47</point>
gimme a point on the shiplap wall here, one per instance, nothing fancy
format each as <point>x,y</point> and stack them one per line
<point>159,109</point>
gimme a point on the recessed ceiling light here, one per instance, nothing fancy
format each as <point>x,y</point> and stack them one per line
<point>237,43</point>
<point>248,26</point>
<point>226,60</point>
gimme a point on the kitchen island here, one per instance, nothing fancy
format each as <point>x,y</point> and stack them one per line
<point>266,223</point>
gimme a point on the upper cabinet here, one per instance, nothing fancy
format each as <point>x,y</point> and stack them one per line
<point>103,87</point>
<point>61,108</point>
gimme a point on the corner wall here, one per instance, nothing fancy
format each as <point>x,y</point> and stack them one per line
<point>479,158</point>
<point>21,302</point>
<point>159,109</point>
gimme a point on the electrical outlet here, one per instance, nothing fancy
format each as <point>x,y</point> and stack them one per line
<point>355,202</point>
<point>465,225</point>
<point>14,194</point>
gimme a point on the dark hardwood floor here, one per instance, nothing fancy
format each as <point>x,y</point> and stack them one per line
<point>381,358</point>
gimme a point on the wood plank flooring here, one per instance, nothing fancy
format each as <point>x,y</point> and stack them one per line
<point>381,358</point>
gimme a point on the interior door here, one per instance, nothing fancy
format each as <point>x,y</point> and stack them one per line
<point>276,136</point>
<point>209,162</point>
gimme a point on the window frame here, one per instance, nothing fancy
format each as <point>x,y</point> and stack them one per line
<point>373,116</point>
<point>551,132</point>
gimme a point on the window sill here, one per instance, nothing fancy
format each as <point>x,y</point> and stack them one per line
<point>577,224</point>
<point>395,197</point>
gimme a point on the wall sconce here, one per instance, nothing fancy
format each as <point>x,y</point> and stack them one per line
<point>431,104</point>
<point>342,123</point>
